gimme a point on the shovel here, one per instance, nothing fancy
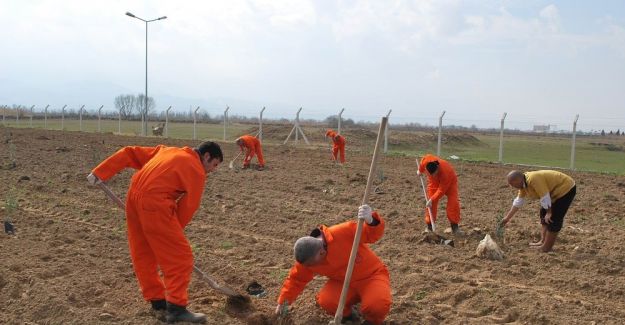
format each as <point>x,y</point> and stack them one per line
<point>231,164</point>
<point>432,221</point>
<point>205,277</point>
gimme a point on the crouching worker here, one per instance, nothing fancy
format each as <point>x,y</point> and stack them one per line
<point>326,252</point>
<point>556,192</point>
<point>251,145</point>
<point>164,194</point>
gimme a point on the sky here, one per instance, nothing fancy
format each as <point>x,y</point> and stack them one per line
<point>541,62</point>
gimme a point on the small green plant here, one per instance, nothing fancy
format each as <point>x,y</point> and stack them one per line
<point>420,295</point>
<point>227,245</point>
<point>10,204</point>
<point>499,227</point>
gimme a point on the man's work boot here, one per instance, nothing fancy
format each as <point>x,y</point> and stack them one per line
<point>428,228</point>
<point>455,229</point>
<point>177,313</point>
<point>352,318</point>
<point>159,305</point>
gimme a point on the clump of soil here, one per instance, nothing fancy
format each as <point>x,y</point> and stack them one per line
<point>239,306</point>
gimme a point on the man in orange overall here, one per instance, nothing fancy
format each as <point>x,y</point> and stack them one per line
<point>326,252</point>
<point>338,145</point>
<point>251,145</point>
<point>164,194</point>
<point>442,180</point>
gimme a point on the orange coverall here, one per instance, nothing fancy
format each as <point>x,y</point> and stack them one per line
<point>339,145</point>
<point>445,182</point>
<point>370,282</point>
<point>253,147</point>
<point>163,196</point>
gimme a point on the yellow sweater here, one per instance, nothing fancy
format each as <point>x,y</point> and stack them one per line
<point>541,182</point>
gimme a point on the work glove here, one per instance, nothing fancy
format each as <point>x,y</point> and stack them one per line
<point>93,179</point>
<point>428,203</point>
<point>364,213</point>
<point>418,172</point>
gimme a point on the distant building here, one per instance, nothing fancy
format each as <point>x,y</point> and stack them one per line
<point>542,128</point>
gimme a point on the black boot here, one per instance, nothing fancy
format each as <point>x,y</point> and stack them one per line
<point>429,227</point>
<point>455,229</point>
<point>177,313</point>
<point>159,305</point>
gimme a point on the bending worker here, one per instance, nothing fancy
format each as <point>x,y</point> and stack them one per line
<point>556,192</point>
<point>442,180</point>
<point>164,194</point>
<point>326,252</point>
<point>251,145</point>
<point>338,146</point>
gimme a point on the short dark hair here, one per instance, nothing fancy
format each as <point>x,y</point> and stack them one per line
<point>213,149</point>
<point>432,166</point>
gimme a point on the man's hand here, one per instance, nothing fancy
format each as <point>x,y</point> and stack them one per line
<point>428,203</point>
<point>364,213</point>
<point>548,218</point>
<point>93,179</point>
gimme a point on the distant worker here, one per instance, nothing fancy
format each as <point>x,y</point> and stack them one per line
<point>442,180</point>
<point>326,252</point>
<point>164,194</point>
<point>556,192</point>
<point>338,145</point>
<point>251,145</point>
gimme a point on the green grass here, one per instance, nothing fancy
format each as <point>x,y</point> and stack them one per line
<point>535,150</point>
<point>177,130</point>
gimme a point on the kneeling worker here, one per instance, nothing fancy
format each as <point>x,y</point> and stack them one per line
<point>326,252</point>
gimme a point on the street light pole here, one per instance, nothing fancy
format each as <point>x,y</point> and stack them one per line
<point>144,114</point>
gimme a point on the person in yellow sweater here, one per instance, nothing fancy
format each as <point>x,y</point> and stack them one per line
<point>556,192</point>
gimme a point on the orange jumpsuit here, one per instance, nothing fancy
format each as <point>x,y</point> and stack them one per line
<point>445,182</point>
<point>252,144</point>
<point>163,196</point>
<point>370,282</point>
<point>339,145</point>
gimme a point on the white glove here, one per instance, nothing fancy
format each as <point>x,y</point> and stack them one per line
<point>418,172</point>
<point>428,203</point>
<point>364,213</point>
<point>93,179</point>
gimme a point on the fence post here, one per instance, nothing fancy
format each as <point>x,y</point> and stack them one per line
<point>17,115</point>
<point>45,117</point>
<point>503,118</point>
<point>99,122</point>
<point>3,113</point>
<point>167,121</point>
<point>119,121</point>
<point>31,115</point>
<point>63,117</point>
<point>340,118</point>
<point>260,126</point>
<point>226,121</point>
<point>386,131</point>
<point>440,128</point>
<point>573,142</point>
<point>80,116</point>
<point>195,122</point>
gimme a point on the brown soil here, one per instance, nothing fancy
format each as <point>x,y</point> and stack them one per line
<point>69,262</point>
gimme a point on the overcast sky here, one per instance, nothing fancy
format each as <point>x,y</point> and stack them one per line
<point>542,62</point>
